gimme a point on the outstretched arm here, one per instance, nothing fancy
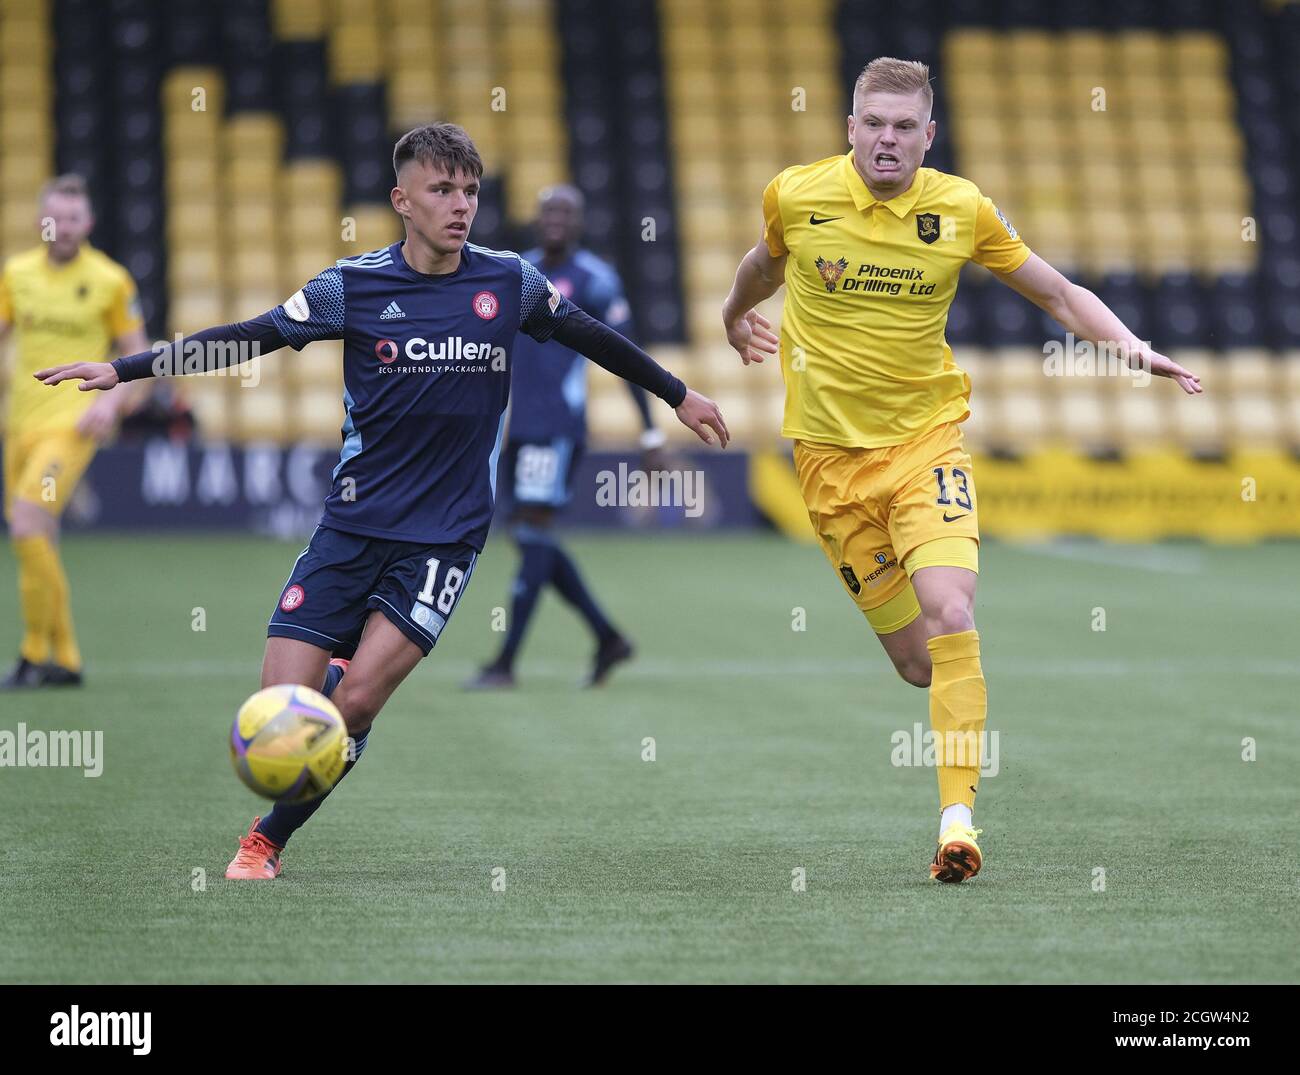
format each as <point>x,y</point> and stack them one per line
<point>758,277</point>
<point>1082,313</point>
<point>584,334</point>
<point>208,349</point>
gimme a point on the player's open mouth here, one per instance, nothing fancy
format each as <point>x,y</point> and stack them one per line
<point>886,162</point>
<point>457,229</point>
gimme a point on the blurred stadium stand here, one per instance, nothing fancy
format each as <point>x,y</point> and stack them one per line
<point>1149,147</point>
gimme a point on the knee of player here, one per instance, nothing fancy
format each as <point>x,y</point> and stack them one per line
<point>951,617</point>
<point>358,703</point>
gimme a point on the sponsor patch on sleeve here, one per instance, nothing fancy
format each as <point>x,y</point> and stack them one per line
<point>296,308</point>
<point>1006,223</point>
<point>555,297</point>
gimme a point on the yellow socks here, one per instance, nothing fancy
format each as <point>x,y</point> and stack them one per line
<point>47,615</point>
<point>958,706</point>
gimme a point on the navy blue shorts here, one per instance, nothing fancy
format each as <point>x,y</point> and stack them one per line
<point>541,471</point>
<point>340,577</point>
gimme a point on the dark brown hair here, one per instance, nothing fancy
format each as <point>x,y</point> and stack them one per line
<point>440,145</point>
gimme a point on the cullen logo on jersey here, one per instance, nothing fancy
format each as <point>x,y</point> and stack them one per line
<point>453,349</point>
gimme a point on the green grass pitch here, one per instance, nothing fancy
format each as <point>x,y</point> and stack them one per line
<point>1119,749</point>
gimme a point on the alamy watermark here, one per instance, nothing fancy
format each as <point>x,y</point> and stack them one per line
<point>37,748</point>
<point>931,749</point>
<point>629,488</point>
<point>1073,357</point>
<point>221,358</point>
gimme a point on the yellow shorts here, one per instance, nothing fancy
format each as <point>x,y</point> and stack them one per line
<point>873,509</point>
<point>44,467</point>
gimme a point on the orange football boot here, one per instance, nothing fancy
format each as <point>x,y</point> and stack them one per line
<point>958,857</point>
<point>257,860</point>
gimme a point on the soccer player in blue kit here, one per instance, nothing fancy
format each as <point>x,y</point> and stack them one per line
<point>547,434</point>
<point>428,325</point>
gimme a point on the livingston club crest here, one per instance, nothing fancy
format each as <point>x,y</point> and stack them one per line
<point>927,227</point>
<point>831,271</point>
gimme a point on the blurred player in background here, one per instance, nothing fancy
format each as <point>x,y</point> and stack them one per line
<point>548,431</point>
<point>64,299</point>
<point>869,246</point>
<point>429,324</point>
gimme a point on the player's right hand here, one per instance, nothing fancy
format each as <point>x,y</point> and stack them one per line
<point>698,412</point>
<point>92,375</point>
<point>752,337</point>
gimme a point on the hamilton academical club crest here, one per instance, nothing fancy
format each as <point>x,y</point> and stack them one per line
<point>831,271</point>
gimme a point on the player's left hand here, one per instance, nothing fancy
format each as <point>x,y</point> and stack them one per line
<point>752,337</point>
<point>93,375</point>
<point>700,414</point>
<point>99,418</point>
<point>1162,366</point>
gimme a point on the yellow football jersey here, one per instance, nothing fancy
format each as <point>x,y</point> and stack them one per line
<point>867,290</point>
<point>61,313</point>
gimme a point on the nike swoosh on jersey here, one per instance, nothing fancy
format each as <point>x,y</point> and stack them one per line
<point>812,219</point>
<point>954,518</point>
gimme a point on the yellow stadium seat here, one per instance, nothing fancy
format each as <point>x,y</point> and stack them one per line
<point>1251,371</point>
<point>249,267</point>
<point>319,364</point>
<point>1018,369</point>
<point>1200,426</point>
<point>251,299</point>
<point>1020,419</point>
<point>191,178</point>
<point>1255,420</point>
<point>1082,418</point>
<point>1028,50</point>
<point>194,306</point>
<point>193,222</point>
<point>972,48</point>
<point>207,398</point>
<point>248,221</point>
<point>374,226</point>
<point>195,267</point>
<point>302,20</point>
<point>312,180</point>
<point>261,413</point>
<point>1140,417</point>
<point>1199,52</point>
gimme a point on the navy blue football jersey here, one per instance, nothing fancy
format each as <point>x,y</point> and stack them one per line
<point>426,370</point>
<point>549,395</point>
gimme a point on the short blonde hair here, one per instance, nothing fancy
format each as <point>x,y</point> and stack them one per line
<point>69,184</point>
<point>888,75</point>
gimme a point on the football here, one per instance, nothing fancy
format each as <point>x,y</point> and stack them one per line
<point>289,743</point>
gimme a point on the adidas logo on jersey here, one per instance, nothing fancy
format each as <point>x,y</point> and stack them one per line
<point>391,312</point>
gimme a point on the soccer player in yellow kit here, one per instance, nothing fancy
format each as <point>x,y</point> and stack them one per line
<point>64,300</point>
<point>869,246</point>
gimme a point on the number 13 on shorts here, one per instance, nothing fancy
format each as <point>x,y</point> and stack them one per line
<point>954,490</point>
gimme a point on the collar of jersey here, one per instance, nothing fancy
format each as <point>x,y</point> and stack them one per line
<point>900,205</point>
<point>431,278</point>
<point>79,258</point>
